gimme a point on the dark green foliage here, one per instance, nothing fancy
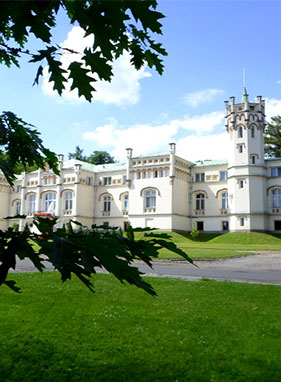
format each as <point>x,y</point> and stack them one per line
<point>100,157</point>
<point>272,137</point>
<point>80,252</point>
<point>97,157</point>
<point>20,143</point>
<point>117,26</point>
<point>78,154</point>
<point>194,233</point>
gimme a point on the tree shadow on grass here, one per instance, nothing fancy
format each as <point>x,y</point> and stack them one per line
<point>37,360</point>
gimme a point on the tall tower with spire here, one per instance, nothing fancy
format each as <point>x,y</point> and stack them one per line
<point>245,123</point>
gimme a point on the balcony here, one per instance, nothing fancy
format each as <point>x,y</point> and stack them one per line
<point>199,212</point>
<point>67,212</point>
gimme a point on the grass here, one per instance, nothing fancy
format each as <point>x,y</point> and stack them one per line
<point>217,246</point>
<point>202,331</point>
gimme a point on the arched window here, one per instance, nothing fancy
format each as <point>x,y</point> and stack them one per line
<point>50,202</point>
<point>106,203</point>
<point>200,201</point>
<point>252,132</point>
<point>68,198</point>
<point>150,199</point>
<point>18,205</point>
<point>240,132</point>
<point>126,202</point>
<point>224,200</point>
<point>32,201</point>
<point>276,198</point>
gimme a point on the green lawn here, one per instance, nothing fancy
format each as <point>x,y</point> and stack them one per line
<point>214,246</point>
<point>201,331</point>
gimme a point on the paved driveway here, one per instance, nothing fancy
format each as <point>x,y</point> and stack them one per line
<point>260,268</point>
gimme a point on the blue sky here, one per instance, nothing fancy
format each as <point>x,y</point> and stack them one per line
<point>208,42</point>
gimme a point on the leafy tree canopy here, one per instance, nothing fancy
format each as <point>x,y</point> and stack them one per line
<point>78,154</point>
<point>272,138</point>
<point>117,26</point>
<point>97,157</point>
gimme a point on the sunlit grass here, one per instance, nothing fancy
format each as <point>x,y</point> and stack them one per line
<point>201,331</point>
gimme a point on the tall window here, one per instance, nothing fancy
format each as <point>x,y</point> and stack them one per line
<point>200,177</point>
<point>107,180</point>
<point>200,201</point>
<point>18,204</point>
<point>32,200</point>
<point>150,199</point>
<point>240,132</point>
<point>106,203</point>
<point>224,200</point>
<point>126,202</point>
<point>50,202</point>
<point>223,175</point>
<point>276,198</point>
<point>252,132</point>
<point>68,200</point>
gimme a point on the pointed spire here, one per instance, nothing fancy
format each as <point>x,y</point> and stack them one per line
<point>244,96</point>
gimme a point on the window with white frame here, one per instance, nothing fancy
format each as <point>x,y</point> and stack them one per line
<point>242,222</point>
<point>200,202</point>
<point>139,175</point>
<point>126,202</point>
<point>144,175</point>
<point>107,180</point>
<point>18,188</point>
<point>32,202</point>
<point>276,198</point>
<point>240,149</point>
<point>107,203</point>
<point>50,202</point>
<point>161,173</point>
<point>68,200</point>
<point>224,200</point>
<point>241,183</point>
<point>223,175</point>
<point>150,199</point>
<point>275,171</point>
<point>200,177</point>
<point>18,205</point>
<point>89,180</point>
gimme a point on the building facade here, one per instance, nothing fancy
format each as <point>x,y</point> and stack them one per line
<point>163,191</point>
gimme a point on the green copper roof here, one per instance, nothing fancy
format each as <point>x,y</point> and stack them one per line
<point>94,168</point>
<point>244,96</point>
<point>201,163</point>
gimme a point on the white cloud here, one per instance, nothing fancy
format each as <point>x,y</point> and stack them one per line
<point>212,146</point>
<point>149,139</point>
<point>201,96</point>
<point>201,123</point>
<point>124,89</point>
<point>278,82</point>
<point>272,108</point>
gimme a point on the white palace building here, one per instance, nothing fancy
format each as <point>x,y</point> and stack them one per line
<point>162,191</point>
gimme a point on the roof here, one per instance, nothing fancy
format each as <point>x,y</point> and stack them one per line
<point>201,163</point>
<point>92,167</point>
<point>271,159</point>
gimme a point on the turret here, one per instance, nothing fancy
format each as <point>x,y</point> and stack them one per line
<point>246,171</point>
